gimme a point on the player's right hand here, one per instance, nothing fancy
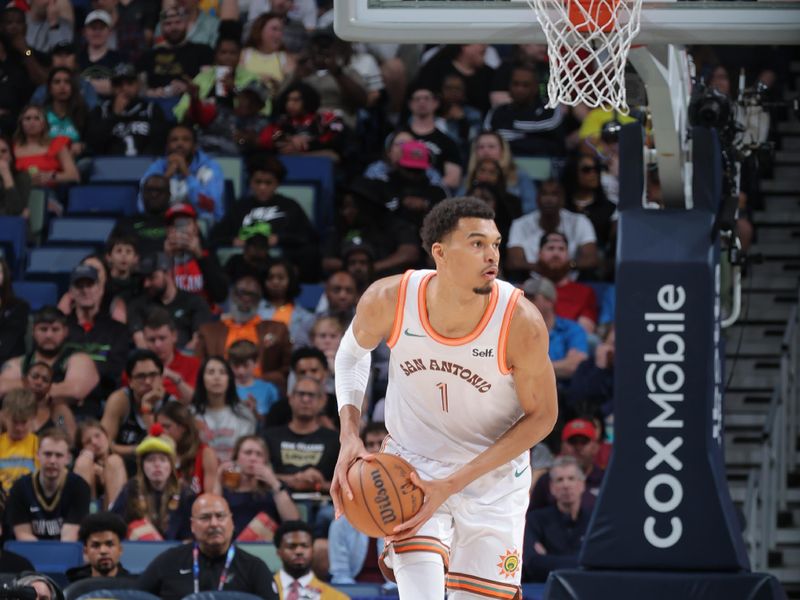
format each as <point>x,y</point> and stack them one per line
<point>350,450</point>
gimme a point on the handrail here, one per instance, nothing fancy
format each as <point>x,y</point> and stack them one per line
<point>767,485</point>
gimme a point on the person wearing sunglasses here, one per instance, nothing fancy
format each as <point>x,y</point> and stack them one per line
<point>242,322</point>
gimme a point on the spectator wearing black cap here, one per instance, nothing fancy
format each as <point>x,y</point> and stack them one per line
<point>169,62</point>
<point>280,219</point>
<point>93,331</point>
<point>65,54</point>
<point>97,60</point>
<point>194,268</point>
<point>74,373</point>
<point>101,535</point>
<point>149,228</point>
<point>189,311</point>
<point>362,216</point>
<point>46,27</point>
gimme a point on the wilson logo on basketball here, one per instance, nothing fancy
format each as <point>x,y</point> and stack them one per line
<point>382,500</point>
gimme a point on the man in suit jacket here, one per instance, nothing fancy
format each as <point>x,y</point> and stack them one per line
<point>295,580</point>
<point>243,322</point>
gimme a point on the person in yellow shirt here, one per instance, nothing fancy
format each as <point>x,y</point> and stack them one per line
<point>18,444</point>
<point>295,580</point>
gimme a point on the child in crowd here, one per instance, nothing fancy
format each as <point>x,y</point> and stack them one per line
<point>260,395</point>
<point>122,258</point>
<point>18,444</point>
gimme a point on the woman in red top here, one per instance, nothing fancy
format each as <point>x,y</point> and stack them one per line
<point>47,160</point>
<point>197,463</point>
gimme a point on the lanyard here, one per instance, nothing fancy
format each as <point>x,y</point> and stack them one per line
<point>223,578</point>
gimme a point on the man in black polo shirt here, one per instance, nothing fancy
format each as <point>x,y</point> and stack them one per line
<point>188,311</point>
<point>94,332</point>
<point>212,562</point>
<point>50,503</point>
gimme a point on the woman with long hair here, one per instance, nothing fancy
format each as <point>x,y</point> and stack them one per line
<point>16,185</point>
<point>281,289</point>
<point>47,159</point>
<point>155,504</point>
<point>97,463</point>
<point>13,317</point>
<point>264,54</point>
<point>490,144</point>
<point>259,501</point>
<point>222,417</point>
<point>196,462</point>
<point>65,108</point>
<point>584,194</point>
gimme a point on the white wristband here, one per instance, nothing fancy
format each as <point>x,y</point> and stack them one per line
<point>352,371</point>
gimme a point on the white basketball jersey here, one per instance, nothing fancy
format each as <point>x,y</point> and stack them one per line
<point>449,398</point>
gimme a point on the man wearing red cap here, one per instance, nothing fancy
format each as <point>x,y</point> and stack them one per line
<point>195,269</point>
<point>579,439</point>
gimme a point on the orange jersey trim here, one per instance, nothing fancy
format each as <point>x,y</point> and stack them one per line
<point>480,586</point>
<point>424,544</point>
<point>502,343</point>
<point>399,309</point>
<point>426,324</point>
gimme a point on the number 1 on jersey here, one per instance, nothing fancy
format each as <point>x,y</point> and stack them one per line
<point>443,391</point>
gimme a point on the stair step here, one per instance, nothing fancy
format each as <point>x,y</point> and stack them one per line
<point>784,235</point>
<point>785,173</point>
<point>740,402</point>
<point>788,535</point>
<point>790,556</point>
<point>782,157</point>
<point>791,143</point>
<point>785,575</point>
<point>784,218</point>
<point>745,420</point>
<point>774,250</point>
<point>788,128</point>
<point>743,456</point>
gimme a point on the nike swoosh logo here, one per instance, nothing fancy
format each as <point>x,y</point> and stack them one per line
<point>408,333</point>
<point>184,571</point>
<point>518,473</point>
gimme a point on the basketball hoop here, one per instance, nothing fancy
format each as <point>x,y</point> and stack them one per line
<point>588,43</point>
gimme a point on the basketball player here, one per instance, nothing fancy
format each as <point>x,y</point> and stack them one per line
<point>471,390</point>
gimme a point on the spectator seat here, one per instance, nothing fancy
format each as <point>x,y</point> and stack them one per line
<point>49,556</point>
<point>310,293</point>
<point>13,236</point>
<point>120,168</point>
<point>137,555</point>
<point>539,168</point>
<point>92,584</point>
<point>80,230</point>
<point>305,194</point>
<point>54,263</point>
<point>37,293</point>
<point>233,169</point>
<point>266,551</point>
<point>319,170</point>
<point>112,594</point>
<point>102,200</point>
<point>223,595</point>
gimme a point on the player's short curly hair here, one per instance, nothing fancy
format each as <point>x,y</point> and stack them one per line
<point>443,218</point>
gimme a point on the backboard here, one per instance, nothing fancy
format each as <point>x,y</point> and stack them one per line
<point>513,22</point>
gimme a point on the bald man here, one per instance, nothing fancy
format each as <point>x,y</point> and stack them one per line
<point>216,560</point>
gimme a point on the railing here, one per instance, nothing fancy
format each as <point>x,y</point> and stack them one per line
<point>767,485</point>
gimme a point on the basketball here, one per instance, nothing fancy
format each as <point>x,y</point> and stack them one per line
<point>383,495</point>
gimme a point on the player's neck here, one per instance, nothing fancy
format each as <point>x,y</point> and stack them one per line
<point>448,291</point>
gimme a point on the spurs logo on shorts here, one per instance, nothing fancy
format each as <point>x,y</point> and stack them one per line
<point>509,563</point>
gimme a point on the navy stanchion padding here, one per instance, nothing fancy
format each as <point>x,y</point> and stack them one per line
<point>36,293</point>
<point>137,555</point>
<point>13,234</point>
<point>120,168</point>
<point>102,199</point>
<point>114,594</point>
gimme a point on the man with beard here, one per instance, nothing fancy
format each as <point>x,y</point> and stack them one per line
<point>574,301</point>
<point>95,332</point>
<point>526,232</point>
<point>101,535</point>
<point>126,124</point>
<point>194,177</point>
<point>340,297</point>
<point>188,311</point>
<point>74,373</point>
<point>212,562</point>
<point>294,541</point>
<point>50,503</point>
<point>243,323</point>
<point>167,65</point>
<point>148,227</point>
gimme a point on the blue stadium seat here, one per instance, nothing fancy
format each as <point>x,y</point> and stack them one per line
<point>120,168</point>
<point>317,169</point>
<point>78,230</point>
<point>37,293</point>
<point>54,264</point>
<point>49,556</point>
<point>137,555</point>
<point>167,104</point>
<point>266,551</point>
<point>102,199</point>
<point>13,234</point>
<point>223,595</point>
<point>310,294</point>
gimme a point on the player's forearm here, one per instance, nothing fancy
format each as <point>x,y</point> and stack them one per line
<point>350,422</point>
<point>521,437</point>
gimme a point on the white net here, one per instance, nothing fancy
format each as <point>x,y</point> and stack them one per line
<point>588,43</point>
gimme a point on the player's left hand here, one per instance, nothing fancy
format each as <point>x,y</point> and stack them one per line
<point>436,492</point>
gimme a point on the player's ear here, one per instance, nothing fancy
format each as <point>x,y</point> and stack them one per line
<point>437,251</point>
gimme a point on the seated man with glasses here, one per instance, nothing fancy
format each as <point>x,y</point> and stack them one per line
<point>129,411</point>
<point>211,563</point>
<point>243,323</point>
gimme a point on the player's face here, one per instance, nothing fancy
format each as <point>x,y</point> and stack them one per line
<point>102,550</point>
<point>472,252</point>
<point>295,552</point>
<point>566,485</point>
